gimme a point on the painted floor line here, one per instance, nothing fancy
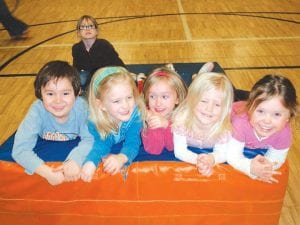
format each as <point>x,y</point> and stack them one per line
<point>187,31</point>
<point>167,41</point>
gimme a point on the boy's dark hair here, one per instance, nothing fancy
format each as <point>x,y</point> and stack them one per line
<point>56,70</point>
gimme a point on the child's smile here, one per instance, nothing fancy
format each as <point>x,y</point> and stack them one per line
<point>58,98</point>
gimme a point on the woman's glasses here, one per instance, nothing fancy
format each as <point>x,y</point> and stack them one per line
<point>87,27</point>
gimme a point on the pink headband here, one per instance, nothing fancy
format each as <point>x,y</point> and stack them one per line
<point>160,73</point>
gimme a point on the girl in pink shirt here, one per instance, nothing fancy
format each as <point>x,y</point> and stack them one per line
<point>163,90</point>
<point>261,126</point>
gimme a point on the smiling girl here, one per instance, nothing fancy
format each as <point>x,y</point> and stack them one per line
<point>261,128</point>
<point>201,124</point>
<point>163,91</point>
<point>116,117</point>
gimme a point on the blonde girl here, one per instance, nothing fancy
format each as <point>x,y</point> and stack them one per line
<point>163,90</point>
<point>115,117</point>
<point>202,122</point>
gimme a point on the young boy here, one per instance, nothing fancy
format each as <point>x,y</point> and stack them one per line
<point>55,127</point>
<point>92,53</point>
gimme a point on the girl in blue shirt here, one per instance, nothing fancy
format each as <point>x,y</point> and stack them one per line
<point>116,116</point>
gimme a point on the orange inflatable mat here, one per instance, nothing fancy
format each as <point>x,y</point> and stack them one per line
<point>152,192</point>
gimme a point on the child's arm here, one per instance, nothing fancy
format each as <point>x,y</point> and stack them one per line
<point>75,159</point>
<point>181,151</point>
<point>111,54</point>
<point>219,153</point>
<point>78,58</point>
<point>276,156</point>
<point>26,138</point>
<point>158,129</point>
<point>100,149</point>
<point>114,162</point>
<point>132,141</point>
<point>169,144</point>
<point>256,168</point>
<point>153,140</point>
<point>236,158</point>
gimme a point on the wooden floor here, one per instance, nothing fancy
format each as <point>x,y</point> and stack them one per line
<point>249,38</point>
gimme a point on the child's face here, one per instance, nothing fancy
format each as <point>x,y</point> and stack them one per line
<point>87,30</point>
<point>58,98</point>
<point>209,108</point>
<point>269,117</point>
<point>118,102</point>
<point>162,98</point>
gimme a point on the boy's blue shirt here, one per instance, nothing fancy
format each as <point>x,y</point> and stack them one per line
<point>40,122</point>
<point>129,132</point>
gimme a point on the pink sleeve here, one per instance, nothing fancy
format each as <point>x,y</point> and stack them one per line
<point>153,140</point>
<point>169,144</point>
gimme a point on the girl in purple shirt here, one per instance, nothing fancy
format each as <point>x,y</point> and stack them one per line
<point>262,123</point>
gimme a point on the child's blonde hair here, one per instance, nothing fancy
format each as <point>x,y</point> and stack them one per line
<point>171,77</point>
<point>103,79</point>
<point>184,114</point>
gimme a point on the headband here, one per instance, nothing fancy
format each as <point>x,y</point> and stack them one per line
<point>160,73</point>
<point>103,73</point>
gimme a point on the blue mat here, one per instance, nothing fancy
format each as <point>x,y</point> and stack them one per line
<point>49,154</point>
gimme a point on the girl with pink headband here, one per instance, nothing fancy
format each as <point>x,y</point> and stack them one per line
<point>163,90</point>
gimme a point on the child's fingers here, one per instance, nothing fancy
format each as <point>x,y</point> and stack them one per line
<point>58,169</point>
<point>270,180</point>
<point>260,158</point>
<point>276,172</point>
<point>86,177</point>
<point>110,169</point>
<point>108,166</point>
<point>274,180</point>
<point>114,171</point>
<point>154,123</point>
<point>72,178</point>
<point>268,176</point>
<point>206,172</point>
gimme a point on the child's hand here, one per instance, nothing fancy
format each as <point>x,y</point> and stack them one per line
<point>113,163</point>
<point>87,171</point>
<point>205,163</point>
<point>71,170</point>
<point>263,169</point>
<point>52,176</point>
<point>154,120</point>
<point>56,178</point>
